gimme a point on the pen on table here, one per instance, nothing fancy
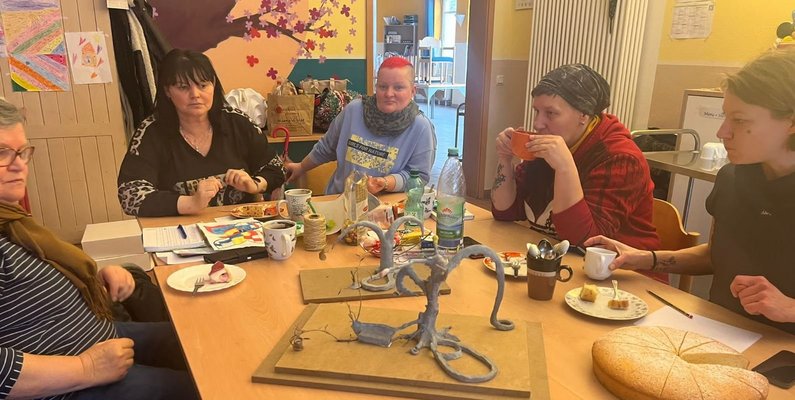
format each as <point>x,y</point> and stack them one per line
<point>668,303</point>
<point>182,232</point>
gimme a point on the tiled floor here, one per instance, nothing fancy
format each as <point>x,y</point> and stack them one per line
<point>444,120</point>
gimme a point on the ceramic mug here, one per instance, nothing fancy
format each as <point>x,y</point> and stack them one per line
<point>428,198</point>
<point>296,200</point>
<point>597,261</point>
<point>518,141</point>
<point>279,238</point>
<point>542,275</point>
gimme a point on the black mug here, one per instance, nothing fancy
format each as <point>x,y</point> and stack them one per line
<point>542,275</point>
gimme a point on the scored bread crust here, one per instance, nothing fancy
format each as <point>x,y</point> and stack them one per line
<point>666,363</point>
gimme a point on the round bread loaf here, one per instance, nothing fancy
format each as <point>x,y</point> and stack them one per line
<point>641,362</point>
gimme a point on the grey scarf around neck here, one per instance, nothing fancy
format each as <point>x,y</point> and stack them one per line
<point>388,124</point>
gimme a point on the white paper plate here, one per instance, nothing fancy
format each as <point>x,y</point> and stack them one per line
<point>507,257</point>
<point>184,279</point>
<point>599,309</point>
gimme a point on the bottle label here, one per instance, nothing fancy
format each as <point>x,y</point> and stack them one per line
<point>414,205</point>
<point>450,221</point>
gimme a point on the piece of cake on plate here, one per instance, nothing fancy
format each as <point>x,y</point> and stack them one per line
<point>589,292</point>
<point>219,274</point>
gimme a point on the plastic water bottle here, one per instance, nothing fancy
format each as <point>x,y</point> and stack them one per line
<point>414,191</point>
<point>450,203</point>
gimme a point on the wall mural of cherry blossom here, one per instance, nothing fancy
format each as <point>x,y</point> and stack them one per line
<point>254,43</point>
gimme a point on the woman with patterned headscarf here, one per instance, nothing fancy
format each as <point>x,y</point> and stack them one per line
<point>588,176</point>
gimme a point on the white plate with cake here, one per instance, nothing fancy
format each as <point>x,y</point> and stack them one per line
<point>215,278</point>
<point>635,306</point>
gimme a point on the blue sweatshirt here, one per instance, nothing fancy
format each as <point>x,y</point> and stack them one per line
<point>356,148</point>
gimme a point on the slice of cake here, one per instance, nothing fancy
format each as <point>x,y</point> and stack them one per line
<point>589,292</point>
<point>219,273</point>
<point>618,304</point>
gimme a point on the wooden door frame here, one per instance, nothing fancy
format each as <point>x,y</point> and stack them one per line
<point>478,82</point>
<point>369,54</point>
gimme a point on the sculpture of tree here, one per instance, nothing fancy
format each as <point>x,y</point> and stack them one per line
<point>427,335</point>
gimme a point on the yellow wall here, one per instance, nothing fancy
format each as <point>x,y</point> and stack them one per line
<point>399,8</point>
<point>336,48</point>
<point>741,30</point>
<point>512,29</point>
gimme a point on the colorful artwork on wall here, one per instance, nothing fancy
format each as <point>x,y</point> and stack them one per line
<point>259,42</point>
<point>34,41</point>
<point>88,57</point>
<point>38,72</point>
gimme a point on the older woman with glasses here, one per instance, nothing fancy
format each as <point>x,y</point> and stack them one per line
<point>195,150</point>
<point>57,339</point>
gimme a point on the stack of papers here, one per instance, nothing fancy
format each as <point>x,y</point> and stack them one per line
<point>169,238</point>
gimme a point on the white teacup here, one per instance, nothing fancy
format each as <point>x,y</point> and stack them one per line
<point>597,261</point>
<point>428,198</point>
<point>296,200</point>
<point>279,238</point>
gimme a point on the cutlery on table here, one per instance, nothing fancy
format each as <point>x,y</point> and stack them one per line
<point>199,283</point>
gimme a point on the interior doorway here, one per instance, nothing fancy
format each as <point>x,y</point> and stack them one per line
<point>438,46</point>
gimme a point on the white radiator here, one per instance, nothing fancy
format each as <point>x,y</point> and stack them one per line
<point>578,31</point>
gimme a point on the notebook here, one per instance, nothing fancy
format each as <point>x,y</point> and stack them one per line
<point>169,238</point>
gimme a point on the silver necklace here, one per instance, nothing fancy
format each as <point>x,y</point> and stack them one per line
<point>196,145</point>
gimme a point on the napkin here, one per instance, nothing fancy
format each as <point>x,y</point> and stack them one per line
<point>732,336</point>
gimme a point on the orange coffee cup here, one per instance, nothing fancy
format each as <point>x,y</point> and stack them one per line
<point>518,141</point>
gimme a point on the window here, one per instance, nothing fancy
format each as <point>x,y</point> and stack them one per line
<point>449,9</point>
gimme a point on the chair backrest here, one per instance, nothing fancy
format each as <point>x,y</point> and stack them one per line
<point>668,222</point>
<point>679,133</point>
<point>317,178</point>
<point>430,42</point>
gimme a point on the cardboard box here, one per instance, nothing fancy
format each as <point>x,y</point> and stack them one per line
<point>113,239</point>
<point>143,260</point>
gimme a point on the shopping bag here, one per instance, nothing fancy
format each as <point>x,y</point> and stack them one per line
<point>317,86</point>
<point>294,112</point>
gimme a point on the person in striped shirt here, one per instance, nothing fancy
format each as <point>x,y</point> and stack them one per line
<point>57,339</point>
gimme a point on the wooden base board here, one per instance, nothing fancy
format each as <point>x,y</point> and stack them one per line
<point>355,367</point>
<point>331,285</point>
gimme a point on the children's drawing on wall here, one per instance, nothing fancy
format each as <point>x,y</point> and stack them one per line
<point>3,52</point>
<point>254,43</point>
<point>35,45</point>
<point>88,57</point>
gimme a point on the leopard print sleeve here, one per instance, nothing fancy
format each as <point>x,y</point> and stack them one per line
<point>132,195</point>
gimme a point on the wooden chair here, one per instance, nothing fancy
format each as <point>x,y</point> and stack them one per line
<point>667,220</point>
<point>317,179</point>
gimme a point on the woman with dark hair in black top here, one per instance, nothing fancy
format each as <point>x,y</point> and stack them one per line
<point>195,150</point>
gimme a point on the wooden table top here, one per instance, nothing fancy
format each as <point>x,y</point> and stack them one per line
<point>225,335</point>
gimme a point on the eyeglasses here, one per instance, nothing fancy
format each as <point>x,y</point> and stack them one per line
<point>7,156</point>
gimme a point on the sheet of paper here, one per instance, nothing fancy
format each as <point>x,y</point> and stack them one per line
<point>168,238</point>
<point>692,19</point>
<point>175,259</point>
<point>118,4</point>
<point>88,57</point>
<point>736,338</point>
<point>234,234</point>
